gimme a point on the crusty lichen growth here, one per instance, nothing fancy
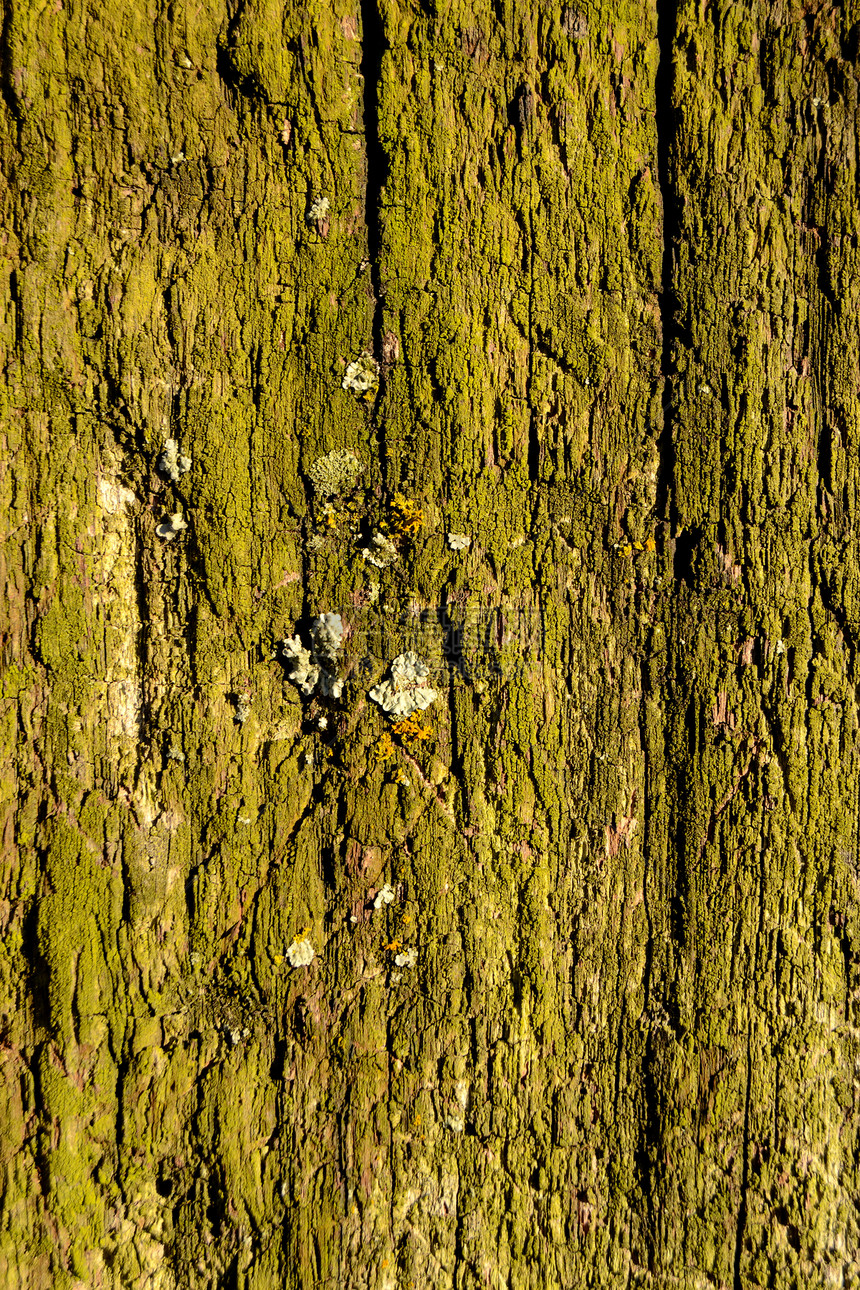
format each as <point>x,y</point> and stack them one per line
<point>361,376</point>
<point>383,750</point>
<point>170,526</point>
<point>301,952</point>
<point>381,553</point>
<point>336,472</point>
<point>171,463</point>
<point>405,691</point>
<point>318,210</point>
<point>413,730</point>
<point>404,517</point>
<point>309,668</point>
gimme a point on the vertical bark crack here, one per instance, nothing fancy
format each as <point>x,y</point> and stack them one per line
<point>667,23</point>
<point>7,77</point>
<point>525,122</point>
<point>374,45</point>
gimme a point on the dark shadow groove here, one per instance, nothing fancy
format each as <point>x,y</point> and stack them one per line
<point>667,22</point>
<point>374,45</point>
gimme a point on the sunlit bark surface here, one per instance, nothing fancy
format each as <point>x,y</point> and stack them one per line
<point>582,1009</point>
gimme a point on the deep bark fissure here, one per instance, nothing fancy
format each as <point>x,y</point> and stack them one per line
<point>667,16</point>
<point>374,45</point>
<point>7,78</point>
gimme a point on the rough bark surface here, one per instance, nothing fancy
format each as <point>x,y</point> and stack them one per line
<point>608,256</point>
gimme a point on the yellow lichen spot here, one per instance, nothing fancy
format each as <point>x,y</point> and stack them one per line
<point>400,777</point>
<point>393,946</point>
<point>383,750</point>
<point>412,730</point>
<point>405,517</point>
<point>277,959</point>
<point>651,545</point>
<point>625,549</point>
<point>638,546</point>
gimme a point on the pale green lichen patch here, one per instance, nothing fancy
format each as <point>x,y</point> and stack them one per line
<point>381,553</point>
<point>172,463</point>
<point>316,667</point>
<point>405,691</point>
<point>337,472</point>
<point>318,210</point>
<point>301,952</point>
<point>170,526</point>
<point>361,376</point>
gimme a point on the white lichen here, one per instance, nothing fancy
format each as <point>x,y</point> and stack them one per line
<point>318,210</point>
<point>337,472</point>
<point>243,707</point>
<point>381,553</point>
<point>455,1123</point>
<point>384,896</point>
<point>309,668</point>
<point>327,633</point>
<point>300,953</point>
<point>171,463</point>
<point>361,375</point>
<point>404,692</point>
<point>458,541</point>
<point>408,958</point>
<point>170,526</point>
<point>303,672</point>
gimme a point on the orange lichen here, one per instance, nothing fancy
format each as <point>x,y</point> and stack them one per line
<point>411,730</point>
<point>383,750</point>
<point>627,549</point>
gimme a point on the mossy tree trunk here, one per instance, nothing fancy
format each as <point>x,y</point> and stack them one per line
<point>609,256</point>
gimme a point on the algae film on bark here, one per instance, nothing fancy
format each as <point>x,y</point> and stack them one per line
<point>499,362</point>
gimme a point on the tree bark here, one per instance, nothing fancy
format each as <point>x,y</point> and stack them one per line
<point>607,255</point>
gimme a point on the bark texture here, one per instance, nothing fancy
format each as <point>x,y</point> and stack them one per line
<point>608,257</point>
